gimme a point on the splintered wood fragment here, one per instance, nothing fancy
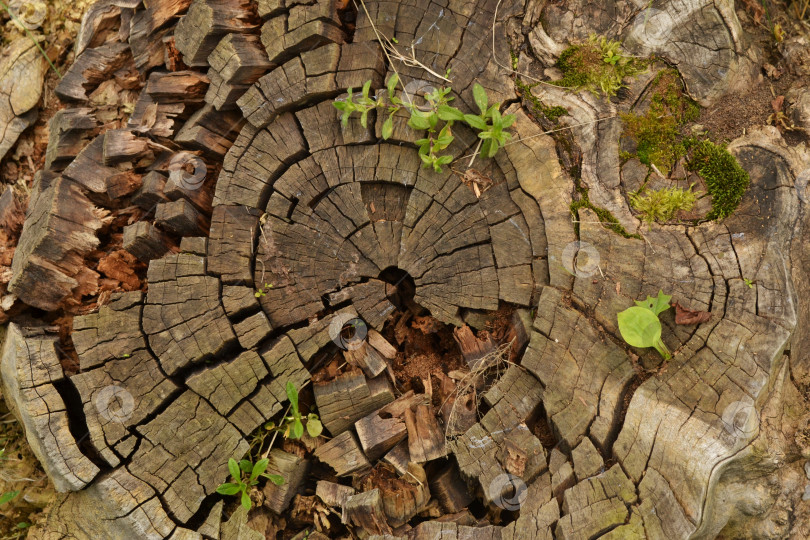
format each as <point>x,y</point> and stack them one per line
<point>22,71</point>
<point>90,69</point>
<point>425,437</point>
<point>69,131</point>
<point>382,345</point>
<point>348,398</point>
<point>122,145</point>
<point>293,469</point>
<point>332,494</point>
<point>365,511</point>
<point>150,194</point>
<point>343,454</point>
<point>398,457</point>
<point>472,348</point>
<point>450,490</point>
<point>385,428</point>
<point>181,218</point>
<point>239,59</point>
<point>122,184</point>
<point>177,86</point>
<point>145,241</point>
<point>210,131</point>
<point>402,496</point>
<point>253,330</point>
<point>366,358</point>
<point>206,22</point>
<point>48,263</point>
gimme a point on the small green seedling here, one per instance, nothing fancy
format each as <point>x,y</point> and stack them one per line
<point>640,327</point>
<point>263,291</point>
<point>245,475</point>
<point>749,283</point>
<point>293,426</point>
<point>8,496</point>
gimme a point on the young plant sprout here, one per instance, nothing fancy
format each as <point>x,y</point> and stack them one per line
<point>640,327</point>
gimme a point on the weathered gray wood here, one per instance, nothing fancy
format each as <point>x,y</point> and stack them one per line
<point>207,21</point>
<point>343,454</point>
<point>294,469</point>
<point>22,71</point>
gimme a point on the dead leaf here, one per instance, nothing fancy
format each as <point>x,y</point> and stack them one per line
<point>755,9</point>
<point>690,316</point>
<point>777,103</point>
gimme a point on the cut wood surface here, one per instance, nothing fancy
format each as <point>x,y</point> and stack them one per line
<point>271,232</point>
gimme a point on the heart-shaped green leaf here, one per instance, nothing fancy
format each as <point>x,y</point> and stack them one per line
<point>656,305</point>
<point>639,326</point>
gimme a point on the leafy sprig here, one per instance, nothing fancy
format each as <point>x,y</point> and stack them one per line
<point>435,117</point>
<point>246,474</point>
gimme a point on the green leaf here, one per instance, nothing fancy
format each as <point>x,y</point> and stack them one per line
<point>445,159</point>
<point>496,119</point>
<point>480,96</point>
<point>445,137</point>
<point>433,120</point>
<point>657,304</point>
<point>426,159</point>
<point>228,489</point>
<point>493,148</point>
<point>246,502</point>
<point>388,127</point>
<point>344,120</point>
<point>314,426</point>
<point>297,429</point>
<point>259,468</point>
<point>639,326</point>
<point>275,478</point>
<point>448,113</point>
<point>292,395</point>
<point>366,88</point>
<point>340,105</point>
<point>391,85</point>
<point>233,468</point>
<point>508,120</point>
<point>418,120</point>
<point>475,121</point>
<point>246,465</point>
<point>8,496</point>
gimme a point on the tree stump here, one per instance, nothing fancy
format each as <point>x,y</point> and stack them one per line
<point>298,229</point>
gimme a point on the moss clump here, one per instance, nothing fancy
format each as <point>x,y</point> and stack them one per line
<point>656,132</point>
<point>536,106</point>
<point>605,217</point>
<point>661,205</point>
<point>725,180</point>
<point>597,65</point>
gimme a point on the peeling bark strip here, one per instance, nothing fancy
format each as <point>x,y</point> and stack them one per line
<point>270,228</point>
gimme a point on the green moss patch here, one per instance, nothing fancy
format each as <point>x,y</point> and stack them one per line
<point>597,65</point>
<point>605,217</point>
<point>725,180</point>
<point>537,107</point>
<point>656,132</point>
<point>659,144</point>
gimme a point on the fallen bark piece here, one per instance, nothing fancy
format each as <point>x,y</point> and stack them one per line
<point>207,21</point>
<point>90,69</point>
<point>69,132</point>
<point>22,71</point>
<point>348,398</point>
